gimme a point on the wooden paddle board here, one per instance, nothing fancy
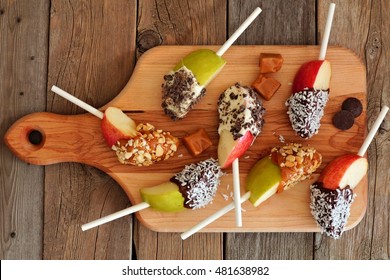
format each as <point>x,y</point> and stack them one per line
<point>78,138</point>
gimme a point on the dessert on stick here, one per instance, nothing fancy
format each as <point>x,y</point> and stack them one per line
<point>332,195</point>
<point>240,122</point>
<point>283,168</point>
<point>310,90</point>
<point>140,145</point>
<point>192,188</point>
<point>185,85</point>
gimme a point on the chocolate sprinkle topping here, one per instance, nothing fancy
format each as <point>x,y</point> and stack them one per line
<point>330,208</point>
<point>240,109</point>
<point>180,92</point>
<point>305,110</point>
<point>198,183</point>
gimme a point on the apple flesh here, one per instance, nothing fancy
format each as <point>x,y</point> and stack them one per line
<point>116,126</point>
<point>165,197</point>
<point>230,149</point>
<point>263,180</point>
<point>204,64</point>
<point>313,74</point>
<point>347,170</point>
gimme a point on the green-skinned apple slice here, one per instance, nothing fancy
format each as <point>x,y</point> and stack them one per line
<point>263,180</point>
<point>165,197</point>
<point>204,64</point>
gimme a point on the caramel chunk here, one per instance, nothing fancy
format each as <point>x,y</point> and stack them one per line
<point>266,86</point>
<point>270,62</point>
<point>197,142</point>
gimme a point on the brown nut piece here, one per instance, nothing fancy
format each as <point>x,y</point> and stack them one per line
<point>148,147</point>
<point>197,142</point>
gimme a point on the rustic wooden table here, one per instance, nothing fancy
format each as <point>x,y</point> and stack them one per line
<point>89,48</point>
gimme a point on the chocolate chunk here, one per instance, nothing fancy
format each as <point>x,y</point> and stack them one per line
<point>343,120</point>
<point>353,105</point>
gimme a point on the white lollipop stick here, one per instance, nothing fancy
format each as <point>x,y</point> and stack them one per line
<point>328,26</point>
<point>213,217</point>
<point>236,192</point>
<point>116,215</point>
<point>373,131</point>
<point>77,102</point>
<point>238,32</point>
<point>236,171</point>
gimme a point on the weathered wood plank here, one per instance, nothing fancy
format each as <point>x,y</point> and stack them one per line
<point>91,55</point>
<point>281,22</point>
<point>23,70</point>
<point>177,22</point>
<point>363,27</point>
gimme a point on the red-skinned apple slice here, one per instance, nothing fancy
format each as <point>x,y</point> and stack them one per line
<point>313,74</point>
<point>116,126</point>
<point>346,170</point>
<point>230,149</point>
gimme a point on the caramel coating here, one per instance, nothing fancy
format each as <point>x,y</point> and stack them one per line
<point>149,146</point>
<point>296,163</point>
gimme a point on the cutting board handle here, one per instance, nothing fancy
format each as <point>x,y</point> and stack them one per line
<point>36,138</point>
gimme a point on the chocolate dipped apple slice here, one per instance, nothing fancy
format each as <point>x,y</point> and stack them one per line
<point>310,90</point>
<point>332,195</point>
<point>193,188</point>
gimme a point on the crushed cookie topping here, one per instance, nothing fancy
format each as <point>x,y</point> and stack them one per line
<point>331,208</point>
<point>296,162</point>
<point>180,92</point>
<point>240,110</point>
<point>198,183</point>
<point>305,110</point>
<point>149,146</point>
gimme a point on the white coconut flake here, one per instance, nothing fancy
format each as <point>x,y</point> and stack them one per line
<point>331,208</point>
<point>305,110</point>
<point>200,182</point>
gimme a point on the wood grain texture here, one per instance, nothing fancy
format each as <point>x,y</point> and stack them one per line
<point>69,138</point>
<point>363,27</point>
<point>84,60</point>
<point>282,22</point>
<point>23,73</point>
<point>176,22</point>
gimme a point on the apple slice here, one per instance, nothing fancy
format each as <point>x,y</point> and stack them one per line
<point>313,74</point>
<point>165,197</point>
<point>116,126</point>
<point>204,64</point>
<point>263,180</point>
<point>230,149</point>
<point>346,170</point>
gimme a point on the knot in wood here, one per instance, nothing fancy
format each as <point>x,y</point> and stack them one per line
<point>148,39</point>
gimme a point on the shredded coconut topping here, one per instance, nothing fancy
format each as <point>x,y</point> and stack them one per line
<point>180,92</point>
<point>198,183</point>
<point>240,110</point>
<point>305,110</point>
<point>330,208</point>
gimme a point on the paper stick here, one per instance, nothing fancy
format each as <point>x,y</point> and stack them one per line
<point>77,102</point>
<point>236,192</point>
<point>213,217</point>
<point>238,32</point>
<point>116,215</point>
<point>373,131</point>
<point>325,37</point>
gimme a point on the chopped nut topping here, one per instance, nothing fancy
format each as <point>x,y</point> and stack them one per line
<point>147,147</point>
